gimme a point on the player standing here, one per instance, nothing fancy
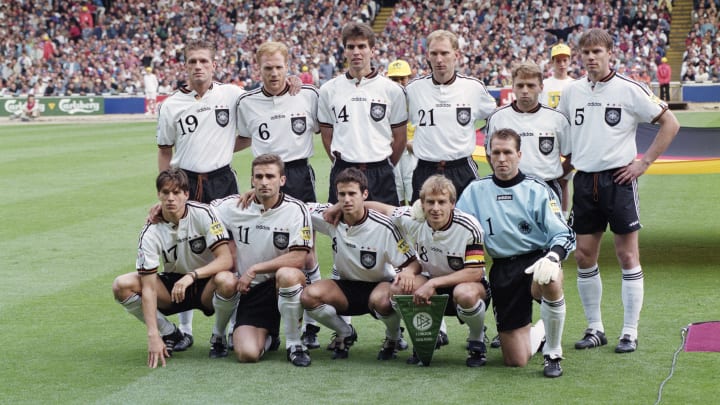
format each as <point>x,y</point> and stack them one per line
<point>150,86</point>
<point>196,132</point>
<point>363,118</point>
<point>272,237</point>
<point>524,234</point>
<point>544,131</point>
<point>443,107</point>
<point>367,248</point>
<point>191,245</point>
<point>605,109</point>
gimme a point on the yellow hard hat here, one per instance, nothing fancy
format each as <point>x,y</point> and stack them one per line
<point>663,60</point>
<point>304,68</point>
<point>560,49</point>
<point>399,68</point>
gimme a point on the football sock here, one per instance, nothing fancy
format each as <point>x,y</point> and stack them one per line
<point>537,333</point>
<point>185,319</point>
<point>443,325</point>
<point>224,308</point>
<point>632,297</point>
<point>291,311</point>
<point>474,318</point>
<point>590,289</point>
<point>311,276</point>
<point>327,315</point>
<point>133,305</point>
<point>553,316</point>
<point>392,324</point>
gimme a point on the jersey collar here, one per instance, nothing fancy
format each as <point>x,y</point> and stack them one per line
<point>447,83</point>
<point>373,73</point>
<point>604,79</point>
<point>282,93</point>
<point>534,110</point>
<point>361,221</point>
<point>449,222</point>
<point>509,183</point>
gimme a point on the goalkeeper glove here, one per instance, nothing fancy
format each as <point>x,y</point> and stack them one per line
<point>545,269</point>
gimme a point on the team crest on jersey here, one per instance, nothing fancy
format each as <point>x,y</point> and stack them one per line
<point>455,263</point>
<point>298,125</point>
<point>546,144</point>
<point>377,111</point>
<point>368,259</point>
<point>281,240</point>
<point>463,115</point>
<point>524,228</point>
<point>222,116</point>
<point>198,245</point>
<point>612,115</point>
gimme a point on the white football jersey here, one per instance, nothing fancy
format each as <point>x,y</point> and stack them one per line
<point>362,113</point>
<point>442,252</point>
<point>261,235</point>
<point>604,117</point>
<point>552,90</point>
<point>370,250</point>
<point>202,131</point>
<point>282,124</point>
<point>184,247</point>
<point>544,136</point>
<point>444,116</point>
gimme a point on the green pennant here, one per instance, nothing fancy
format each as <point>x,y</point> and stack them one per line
<point>422,323</point>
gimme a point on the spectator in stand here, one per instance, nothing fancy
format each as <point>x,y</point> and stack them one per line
<point>306,76</point>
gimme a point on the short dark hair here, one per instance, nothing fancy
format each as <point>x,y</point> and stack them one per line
<point>269,159</point>
<point>505,134</point>
<point>358,30</point>
<point>352,175</point>
<point>173,177</point>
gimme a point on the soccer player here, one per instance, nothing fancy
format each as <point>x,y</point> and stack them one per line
<point>191,245</point>
<point>196,132</point>
<point>399,71</point>
<point>443,108</point>
<point>272,237</point>
<point>552,90</point>
<point>273,121</point>
<point>363,118</point>
<point>545,131</point>
<point>452,261</point>
<point>367,248</point>
<point>527,237</point>
<point>605,109</point>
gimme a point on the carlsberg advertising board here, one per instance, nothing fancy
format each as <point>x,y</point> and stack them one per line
<point>57,106</point>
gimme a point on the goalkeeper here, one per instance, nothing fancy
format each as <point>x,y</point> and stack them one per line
<point>527,238</point>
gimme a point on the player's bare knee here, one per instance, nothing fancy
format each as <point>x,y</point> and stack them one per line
<point>225,283</point>
<point>467,295</point>
<point>289,276</point>
<point>310,297</point>
<point>123,286</point>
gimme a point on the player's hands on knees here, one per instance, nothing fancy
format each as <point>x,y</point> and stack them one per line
<point>546,269</point>
<point>154,214</point>
<point>245,199</point>
<point>404,281</point>
<point>157,352</point>
<point>243,284</point>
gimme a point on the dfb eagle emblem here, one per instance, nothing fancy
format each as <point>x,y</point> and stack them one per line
<point>367,259</point>
<point>546,144</point>
<point>612,116</point>
<point>463,115</point>
<point>456,263</point>
<point>377,111</point>
<point>524,227</point>
<point>298,125</point>
<point>281,240</point>
<point>198,245</point>
<point>222,116</point>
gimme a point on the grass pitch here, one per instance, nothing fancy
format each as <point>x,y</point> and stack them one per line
<point>76,197</point>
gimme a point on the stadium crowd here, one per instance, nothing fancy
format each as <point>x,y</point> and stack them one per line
<point>85,47</point>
